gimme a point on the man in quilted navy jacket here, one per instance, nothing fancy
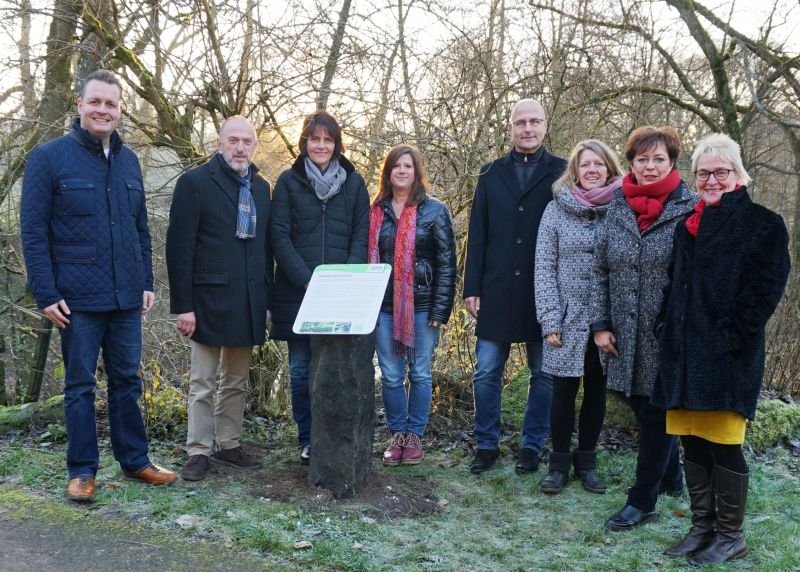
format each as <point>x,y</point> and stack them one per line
<point>88,257</point>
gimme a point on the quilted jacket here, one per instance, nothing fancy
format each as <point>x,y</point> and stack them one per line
<point>84,226</point>
<point>435,258</point>
<point>307,232</point>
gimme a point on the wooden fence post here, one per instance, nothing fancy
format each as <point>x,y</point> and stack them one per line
<point>39,360</point>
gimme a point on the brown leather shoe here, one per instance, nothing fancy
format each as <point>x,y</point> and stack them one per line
<point>81,489</point>
<point>153,475</point>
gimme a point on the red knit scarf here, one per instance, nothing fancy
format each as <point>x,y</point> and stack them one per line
<point>647,201</point>
<point>693,222</point>
<point>403,273</point>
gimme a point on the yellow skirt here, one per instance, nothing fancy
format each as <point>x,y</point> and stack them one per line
<point>723,427</point>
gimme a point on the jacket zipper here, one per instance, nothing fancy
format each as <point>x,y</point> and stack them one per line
<point>323,233</point>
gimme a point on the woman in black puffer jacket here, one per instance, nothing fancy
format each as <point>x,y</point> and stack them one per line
<point>412,232</point>
<point>320,215</point>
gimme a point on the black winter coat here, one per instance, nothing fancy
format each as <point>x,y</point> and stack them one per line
<point>224,280</point>
<point>725,285</point>
<point>501,247</point>
<point>307,232</point>
<point>435,258</point>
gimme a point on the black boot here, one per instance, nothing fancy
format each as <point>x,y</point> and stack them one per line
<point>585,465</point>
<point>527,462</point>
<point>701,502</point>
<point>558,472</point>
<point>484,460</point>
<point>728,542</point>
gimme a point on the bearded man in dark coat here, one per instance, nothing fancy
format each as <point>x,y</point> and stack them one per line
<point>510,198</point>
<point>220,274</point>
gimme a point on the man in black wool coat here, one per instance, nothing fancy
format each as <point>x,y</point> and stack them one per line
<point>220,274</point>
<point>510,198</point>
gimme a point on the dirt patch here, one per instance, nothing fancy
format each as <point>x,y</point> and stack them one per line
<point>386,497</point>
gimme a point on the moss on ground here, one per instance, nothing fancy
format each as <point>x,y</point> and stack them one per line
<point>775,421</point>
<point>39,413</point>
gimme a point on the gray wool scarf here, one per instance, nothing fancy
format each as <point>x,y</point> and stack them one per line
<point>326,185</point>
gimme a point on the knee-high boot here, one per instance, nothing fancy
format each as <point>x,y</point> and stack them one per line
<point>702,504</point>
<point>728,542</point>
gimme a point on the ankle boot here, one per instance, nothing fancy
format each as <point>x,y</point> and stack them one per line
<point>585,465</point>
<point>558,472</point>
<point>701,502</point>
<point>728,542</point>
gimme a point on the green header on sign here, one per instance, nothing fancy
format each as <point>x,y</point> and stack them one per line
<point>354,268</point>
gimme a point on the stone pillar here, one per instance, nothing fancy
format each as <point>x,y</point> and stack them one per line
<point>342,386</point>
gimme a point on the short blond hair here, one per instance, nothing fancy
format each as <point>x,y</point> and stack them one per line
<point>722,146</point>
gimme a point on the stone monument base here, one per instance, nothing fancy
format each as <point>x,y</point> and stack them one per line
<point>342,387</point>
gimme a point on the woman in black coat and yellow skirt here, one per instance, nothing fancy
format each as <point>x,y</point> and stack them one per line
<point>730,263</point>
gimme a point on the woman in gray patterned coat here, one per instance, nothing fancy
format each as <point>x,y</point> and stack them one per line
<point>630,270</point>
<point>564,261</point>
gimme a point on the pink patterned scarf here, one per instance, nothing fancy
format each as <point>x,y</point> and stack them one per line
<point>598,196</point>
<point>403,273</point>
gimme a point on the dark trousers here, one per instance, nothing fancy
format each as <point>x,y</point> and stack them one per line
<point>593,407</point>
<point>658,462</point>
<point>707,454</point>
<point>299,364</point>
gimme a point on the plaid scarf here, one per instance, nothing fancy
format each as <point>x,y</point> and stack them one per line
<point>403,274</point>
<point>246,216</point>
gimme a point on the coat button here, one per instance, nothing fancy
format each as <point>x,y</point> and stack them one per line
<point>520,208</point>
<point>519,240</point>
<point>517,272</point>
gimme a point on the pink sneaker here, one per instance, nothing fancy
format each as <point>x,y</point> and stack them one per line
<point>412,453</point>
<point>394,454</point>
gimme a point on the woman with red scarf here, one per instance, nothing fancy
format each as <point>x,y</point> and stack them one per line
<point>414,233</point>
<point>729,267</point>
<point>630,270</point>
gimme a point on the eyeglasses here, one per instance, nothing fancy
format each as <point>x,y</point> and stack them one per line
<point>719,174</point>
<point>535,122</point>
<point>644,161</point>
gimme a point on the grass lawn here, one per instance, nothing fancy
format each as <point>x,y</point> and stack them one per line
<point>435,516</point>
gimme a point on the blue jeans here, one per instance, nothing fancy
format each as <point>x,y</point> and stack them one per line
<point>119,335</point>
<point>406,413</point>
<point>488,387</point>
<point>299,362</point>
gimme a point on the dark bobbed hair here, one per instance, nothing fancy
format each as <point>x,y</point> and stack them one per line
<point>648,137</point>
<point>106,76</point>
<point>420,185</point>
<point>326,121</point>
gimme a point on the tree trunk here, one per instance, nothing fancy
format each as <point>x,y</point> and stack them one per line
<point>57,99</point>
<point>795,236</point>
<point>333,57</point>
